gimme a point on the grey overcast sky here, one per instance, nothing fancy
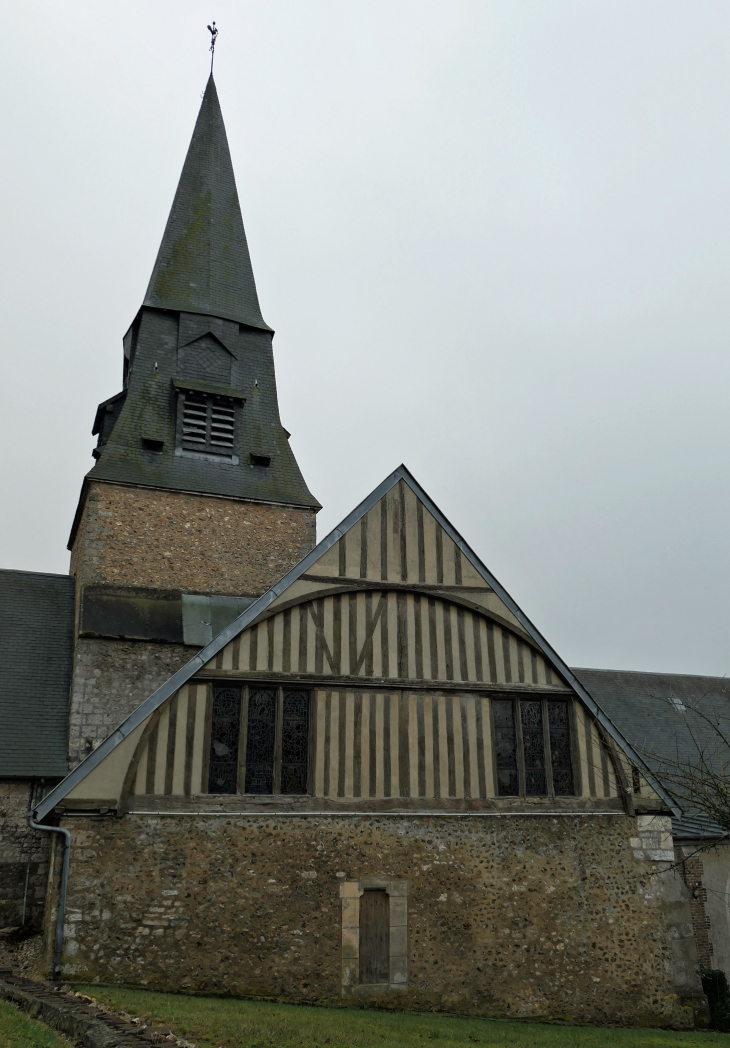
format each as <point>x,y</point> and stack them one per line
<point>493,239</point>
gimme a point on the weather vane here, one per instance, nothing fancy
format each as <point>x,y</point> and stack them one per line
<point>213,38</point>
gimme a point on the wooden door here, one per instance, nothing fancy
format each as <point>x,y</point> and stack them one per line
<point>374,936</point>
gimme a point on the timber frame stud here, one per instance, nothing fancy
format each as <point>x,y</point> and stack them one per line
<point>350,893</point>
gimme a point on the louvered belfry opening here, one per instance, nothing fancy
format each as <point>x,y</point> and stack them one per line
<point>374,936</point>
<point>208,423</point>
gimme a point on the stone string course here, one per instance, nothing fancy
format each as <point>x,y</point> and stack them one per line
<point>548,918</point>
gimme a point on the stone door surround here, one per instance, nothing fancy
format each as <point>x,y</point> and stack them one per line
<point>350,892</point>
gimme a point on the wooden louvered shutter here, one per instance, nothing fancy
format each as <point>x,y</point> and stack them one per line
<point>195,421</point>
<point>208,423</point>
<point>221,425</point>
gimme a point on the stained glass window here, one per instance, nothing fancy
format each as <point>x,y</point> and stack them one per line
<point>260,743</point>
<point>520,757</point>
<point>506,746</point>
<point>295,742</point>
<point>534,748</point>
<point>560,751</point>
<point>225,727</point>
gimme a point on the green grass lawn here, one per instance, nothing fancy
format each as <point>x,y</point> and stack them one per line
<point>216,1021</point>
<point>17,1030</point>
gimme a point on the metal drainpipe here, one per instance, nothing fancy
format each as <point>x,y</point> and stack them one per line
<point>61,916</point>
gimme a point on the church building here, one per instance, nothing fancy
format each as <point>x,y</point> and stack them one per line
<point>351,771</point>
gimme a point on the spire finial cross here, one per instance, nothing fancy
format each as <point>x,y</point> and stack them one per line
<point>213,38</point>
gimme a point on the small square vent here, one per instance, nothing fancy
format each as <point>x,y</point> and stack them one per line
<point>150,444</point>
<point>261,460</point>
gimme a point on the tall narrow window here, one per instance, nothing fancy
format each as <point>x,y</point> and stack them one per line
<point>208,423</point>
<point>560,751</point>
<point>374,936</point>
<point>294,742</point>
<point>261,742</point>
<point>533,749</point>
<point>505,739</point>
<point>224,732</point>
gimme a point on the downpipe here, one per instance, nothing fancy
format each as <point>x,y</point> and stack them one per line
<point>61,916</point>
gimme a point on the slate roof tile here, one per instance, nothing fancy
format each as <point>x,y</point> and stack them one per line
<point>36,658</point>
<point>651,710</point>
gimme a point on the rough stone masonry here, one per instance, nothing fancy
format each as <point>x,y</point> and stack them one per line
<point>196,543</point>
<point>516,916</point>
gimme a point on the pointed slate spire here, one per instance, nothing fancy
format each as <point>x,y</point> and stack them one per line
<point>203,265</point>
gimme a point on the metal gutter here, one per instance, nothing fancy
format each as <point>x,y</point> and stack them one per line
<point>61,915</point>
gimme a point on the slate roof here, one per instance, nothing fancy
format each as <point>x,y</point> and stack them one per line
<point>36,657</point>
<point>649,710</point>
<point>203,265</point>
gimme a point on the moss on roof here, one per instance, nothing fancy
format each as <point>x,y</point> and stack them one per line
<point>203,265</point>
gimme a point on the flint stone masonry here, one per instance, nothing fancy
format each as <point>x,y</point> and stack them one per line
<point>530,917</point>
<point>195,543</point>
<point>23,853</point>
<point>111,679</point>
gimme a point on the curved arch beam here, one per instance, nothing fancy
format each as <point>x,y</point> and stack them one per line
<point>441,593</point>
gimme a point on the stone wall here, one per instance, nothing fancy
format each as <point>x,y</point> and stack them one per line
<point>24,856</point>
<point>707,874</point>
<point>195,543</point>
<point>516,916</point>
<point>111,678</point>
<point>692,870</point>
<point>165,540</point>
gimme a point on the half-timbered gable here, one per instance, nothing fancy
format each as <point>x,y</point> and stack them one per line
<point>362,748</point>
<point>389,669</point>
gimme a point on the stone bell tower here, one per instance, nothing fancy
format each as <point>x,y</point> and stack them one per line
<point>195,504</point>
